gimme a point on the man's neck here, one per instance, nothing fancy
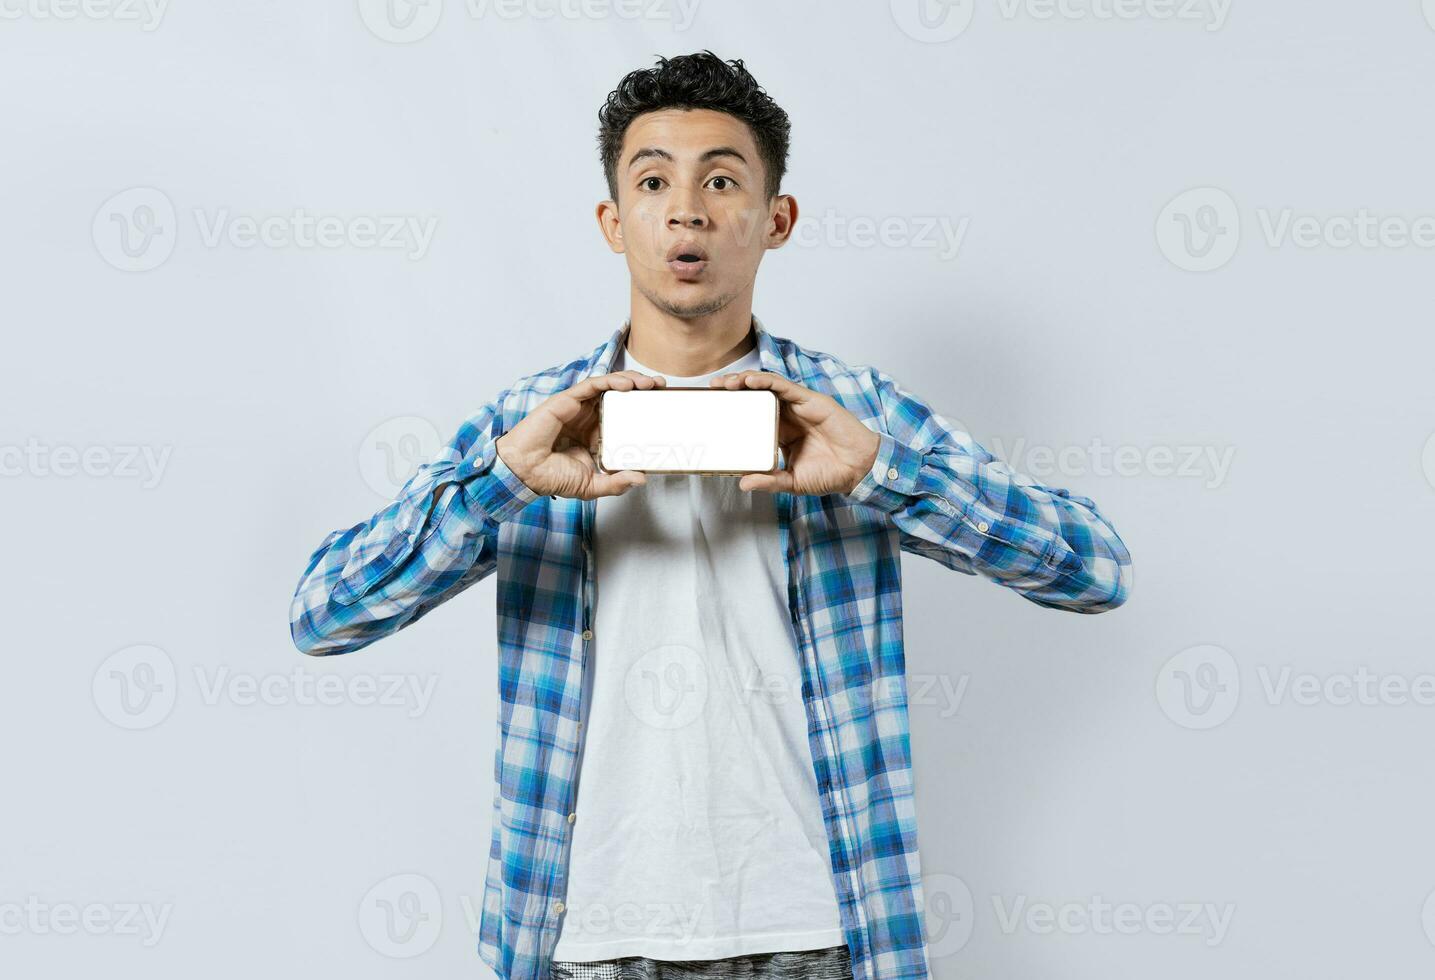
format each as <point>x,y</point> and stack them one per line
<point>689,348</point>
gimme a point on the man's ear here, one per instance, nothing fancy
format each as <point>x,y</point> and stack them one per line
<point>784,220</point>
<point>610,225</point>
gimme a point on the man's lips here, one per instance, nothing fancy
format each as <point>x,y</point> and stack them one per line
<point>687,259</point>
<point>687,270</point>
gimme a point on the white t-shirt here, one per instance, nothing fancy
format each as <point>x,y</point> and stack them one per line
<point>698,831</point>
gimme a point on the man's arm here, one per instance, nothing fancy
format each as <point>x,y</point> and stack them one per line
<point>955,503</point>
<point>440,534</point>
<point>437,537</point>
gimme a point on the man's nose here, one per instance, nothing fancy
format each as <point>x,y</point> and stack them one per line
<point>687,211</point>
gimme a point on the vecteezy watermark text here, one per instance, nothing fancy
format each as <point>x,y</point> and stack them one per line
<point>936,232</point>
<point>1096,916</point>
<point>137,229</point>
<point>1200,687</point>
<point>121,462</point>
<point>937,21</point>
<point>36,917</point>
<point>407,21</point>
<point>137,687</point>
<point>1202,229</point>
<point>1208,463</point>
<point>147,13</point>
<point>407,233</point>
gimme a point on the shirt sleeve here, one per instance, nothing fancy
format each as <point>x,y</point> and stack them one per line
<point>955,503</point>
<point>436,538</point>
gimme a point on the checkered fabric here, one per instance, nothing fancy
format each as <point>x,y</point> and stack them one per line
<point>932,491</point>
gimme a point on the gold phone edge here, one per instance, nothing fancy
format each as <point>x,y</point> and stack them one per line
<point>776,448</point>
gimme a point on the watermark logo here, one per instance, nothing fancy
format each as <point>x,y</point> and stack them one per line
<point>945,692</point>
<point>1200,229</point>
<point>401,21</point>
<point>406,233</point>
<point>1200,687</point>
<point>948,912</point>
<point>135,230</point>
<point>1361,686</point>
<point>679,14</point>
<point>392,453</point>
<point>669,922</point>
<point>933,21</point>
<point>39,918</point>
<point>937,21</point>
<point>646,235</point>
<point>934,232</point>
<point>1427,917</point>
<point>1206,920</point>
<point>1429,8</point>
<point>411,692</point>
<point>1209,464</point>
<point>41,461</point>
<point>146,13</point>
<point>1359,229</point>
<point>667,687</point>
<point>406,21</point>
<point>401,917</point>
<point>1210,14</point>
<point>654,456</point>
<point>942,692</point>
<point>135,688</point>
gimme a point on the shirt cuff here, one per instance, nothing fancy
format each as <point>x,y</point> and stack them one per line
<point>892,481</point>
<point>491,488</point>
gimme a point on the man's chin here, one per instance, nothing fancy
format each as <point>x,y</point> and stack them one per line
<point>689,307</point>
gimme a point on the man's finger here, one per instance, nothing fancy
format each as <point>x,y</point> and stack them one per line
<point>769,482</point>
<point>615,381</point>
<point>613,484</point>
<point>569,408</point>
<point>788,391</point>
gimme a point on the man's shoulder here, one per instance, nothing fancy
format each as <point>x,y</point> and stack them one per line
<point>532,388</point>
<point>855,386</point>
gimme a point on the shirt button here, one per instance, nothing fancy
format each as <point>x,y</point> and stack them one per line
<point>587,634</point>
<point>982,527</point>
<point>572,817</point>
<point>558,908</point>
<point>892,473</point>
<point>580,726</point>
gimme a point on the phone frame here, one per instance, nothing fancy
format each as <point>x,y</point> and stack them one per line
<point>776,434</point>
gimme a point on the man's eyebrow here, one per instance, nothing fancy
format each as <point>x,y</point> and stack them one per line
<point>661,154</point>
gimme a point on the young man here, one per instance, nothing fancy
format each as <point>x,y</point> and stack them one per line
<point>720,658</point>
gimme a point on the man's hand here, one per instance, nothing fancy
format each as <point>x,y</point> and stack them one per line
<point>826,449</point>
<point>552,449</point>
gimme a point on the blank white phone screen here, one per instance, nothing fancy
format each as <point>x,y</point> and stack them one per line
<point>709,430</point>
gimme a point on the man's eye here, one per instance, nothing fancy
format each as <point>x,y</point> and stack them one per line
<point>648,181</point>
<point>728,183</point>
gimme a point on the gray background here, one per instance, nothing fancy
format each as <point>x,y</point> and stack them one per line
<point>1208,745</point>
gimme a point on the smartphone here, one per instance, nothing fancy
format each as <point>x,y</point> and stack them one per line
<point>710,431</point>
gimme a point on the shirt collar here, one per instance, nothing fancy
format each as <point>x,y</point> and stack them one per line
<point>769,358</point>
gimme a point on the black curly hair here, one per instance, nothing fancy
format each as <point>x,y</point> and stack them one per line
<point>695,81</point>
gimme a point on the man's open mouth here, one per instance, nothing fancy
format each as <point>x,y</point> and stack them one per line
<point>687,260</point>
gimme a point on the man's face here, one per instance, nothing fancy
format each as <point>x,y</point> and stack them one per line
<point>692,215</point>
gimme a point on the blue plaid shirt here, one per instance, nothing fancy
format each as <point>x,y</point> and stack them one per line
<point>932,491</point>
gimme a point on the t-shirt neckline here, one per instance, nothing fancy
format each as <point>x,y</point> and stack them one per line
<point>631,363</point>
